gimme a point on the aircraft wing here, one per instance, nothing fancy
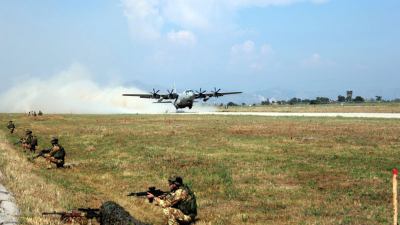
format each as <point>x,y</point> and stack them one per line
<point>154,96</point>
<point>216,94</point>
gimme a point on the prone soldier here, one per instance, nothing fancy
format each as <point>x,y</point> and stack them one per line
<point>110,213</point>
<point>179,205</point>
<point>11,126</point>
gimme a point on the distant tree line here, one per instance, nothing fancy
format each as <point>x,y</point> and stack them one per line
<point>317,101</point>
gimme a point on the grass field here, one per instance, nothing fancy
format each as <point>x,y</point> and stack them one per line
<point>243,169</point>
<point>307,108</point>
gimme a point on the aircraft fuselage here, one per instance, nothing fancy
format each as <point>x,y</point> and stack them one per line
<point>185,99</point>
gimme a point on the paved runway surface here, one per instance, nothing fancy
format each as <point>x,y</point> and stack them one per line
<point>354,115</point>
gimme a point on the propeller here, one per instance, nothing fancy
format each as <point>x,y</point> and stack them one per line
<point>201,93</point>
<point>216,92</point>
<point>155,93</point>
<point>171,94</point>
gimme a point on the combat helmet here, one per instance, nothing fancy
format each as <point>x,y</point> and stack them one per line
<point>27,131</point>
<point>175,180</point>
<point>54,140</point>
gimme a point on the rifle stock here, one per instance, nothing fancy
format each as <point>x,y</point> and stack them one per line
<point>54,213</point>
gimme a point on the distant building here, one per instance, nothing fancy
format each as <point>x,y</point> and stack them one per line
<point>349,96</point>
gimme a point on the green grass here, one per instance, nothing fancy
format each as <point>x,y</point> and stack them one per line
<point>243,169</point>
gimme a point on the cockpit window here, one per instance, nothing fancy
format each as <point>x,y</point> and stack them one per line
<point>188,91</point>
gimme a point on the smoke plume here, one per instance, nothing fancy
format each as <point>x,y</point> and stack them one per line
<point>73,91</point>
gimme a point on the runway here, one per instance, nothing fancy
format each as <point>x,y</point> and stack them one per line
<point>273,114</point>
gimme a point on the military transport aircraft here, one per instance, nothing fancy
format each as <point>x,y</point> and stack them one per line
<point>183,100</point>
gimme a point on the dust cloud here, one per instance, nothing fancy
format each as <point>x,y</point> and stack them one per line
<point>73,91</point>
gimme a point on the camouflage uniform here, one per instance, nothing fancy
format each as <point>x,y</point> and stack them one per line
<point>179,206</point>
<point>113,214</point>
<point>11,126</point>
<point>56,154</point>
<point>30,141</point>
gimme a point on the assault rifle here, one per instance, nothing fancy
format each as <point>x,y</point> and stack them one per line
<point>152,190</point>
<point>76,215</point>
<point>21,140</point>
<point>40,154</point>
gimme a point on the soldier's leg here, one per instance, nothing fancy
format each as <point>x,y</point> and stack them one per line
<point>175,216</point>
<point>50,160</point>
<point>25,147</point>
<point>60,164</point>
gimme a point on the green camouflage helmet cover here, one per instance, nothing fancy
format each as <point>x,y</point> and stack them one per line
<point>175,180</point>
<point>54,140</point>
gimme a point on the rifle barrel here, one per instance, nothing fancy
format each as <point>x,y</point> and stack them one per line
<point>53,213</point>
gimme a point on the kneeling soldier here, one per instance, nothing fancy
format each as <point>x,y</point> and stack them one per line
<point>29,142</point>
<point>11,126</point>
<point>179,206</point>
<point>56,154</point>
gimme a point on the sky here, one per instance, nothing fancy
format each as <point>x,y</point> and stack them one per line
<point>275,48</point>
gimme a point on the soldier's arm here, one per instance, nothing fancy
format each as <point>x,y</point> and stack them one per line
<point>172,199</point>
<point>54,150</point>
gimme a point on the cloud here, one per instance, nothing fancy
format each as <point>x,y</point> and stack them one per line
<point>144,18</point>
<point>182,37</point>
<point>316,61</point>
<point>248,55</point>
<point>152,19</point>
<point>265,3</point>
<point>245,48</point>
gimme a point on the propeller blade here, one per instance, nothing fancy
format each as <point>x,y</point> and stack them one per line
<point>154,93</point>
<point>216,92</point>
<point>200,92</point>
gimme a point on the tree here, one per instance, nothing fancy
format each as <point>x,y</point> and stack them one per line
<point>378,98</point>
<point>322,100</point>
<point>294,101</point>
<point>359,99</point>
<point>266,102</point>
<point>341,98</point>
<point>231,104</point>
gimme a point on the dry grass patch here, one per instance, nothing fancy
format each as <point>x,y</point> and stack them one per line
<point>244,170</point>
